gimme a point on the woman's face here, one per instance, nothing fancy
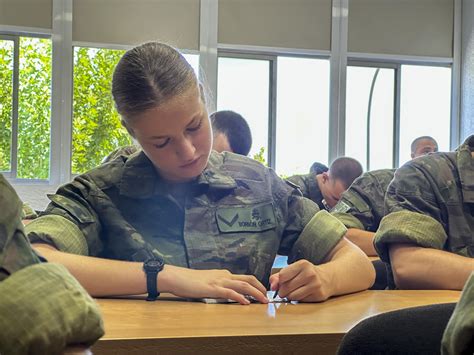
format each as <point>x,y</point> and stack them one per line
<point>176,136</point>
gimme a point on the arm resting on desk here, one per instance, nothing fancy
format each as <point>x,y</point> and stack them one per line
<point>426,268</point>
<point>105,277</point>
<point>363,239</point>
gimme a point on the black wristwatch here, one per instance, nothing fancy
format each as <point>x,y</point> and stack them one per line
<point>152,267</point>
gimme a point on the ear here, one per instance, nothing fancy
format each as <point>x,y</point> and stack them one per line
<point>129,129</point>
<point>413,155</point>
<point>325,177</point>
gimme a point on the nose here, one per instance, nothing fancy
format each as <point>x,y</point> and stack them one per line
<point>186,149</point>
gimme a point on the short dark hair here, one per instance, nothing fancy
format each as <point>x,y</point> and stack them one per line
<point>236,129</point>
<point>346,170</point>
<point>149,75</point>
<point>318,168</point>
<point>417,140</point>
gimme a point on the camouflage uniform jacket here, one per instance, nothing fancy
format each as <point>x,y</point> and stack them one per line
<point>430,203</point>
<point>309,187</point>
<point>458,336</point>
<point>362,205</point>
<point>237,215</point>
<point>43,308</point>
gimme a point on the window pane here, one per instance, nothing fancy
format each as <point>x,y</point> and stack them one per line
<point>425,107</point>
<point>6,101</point>
<point>97,130</point>
<point>302,114</point>
<point>359,82</point>
<point>34,111</point>
<point>243,86</point>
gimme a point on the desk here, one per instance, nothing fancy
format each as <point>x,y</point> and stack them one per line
<point>139,327</point>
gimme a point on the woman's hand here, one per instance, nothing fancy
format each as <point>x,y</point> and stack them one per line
<point>301,281</point>
<point>191,283</point>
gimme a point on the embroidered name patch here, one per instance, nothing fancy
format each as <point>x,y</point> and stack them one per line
<point>341,207</point>
<point>246,219</point>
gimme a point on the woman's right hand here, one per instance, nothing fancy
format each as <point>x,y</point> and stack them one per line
<point>191,283</point>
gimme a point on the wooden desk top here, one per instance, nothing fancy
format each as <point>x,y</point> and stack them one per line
<point>179,326</point>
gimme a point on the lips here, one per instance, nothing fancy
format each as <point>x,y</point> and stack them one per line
<point>191,163</point>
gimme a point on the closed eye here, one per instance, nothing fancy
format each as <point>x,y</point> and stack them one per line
<point>195,128</point>
<point>162,145</point>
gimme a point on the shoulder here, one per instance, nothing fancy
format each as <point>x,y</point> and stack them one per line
<point>239,166</point>
<point>106,175</point>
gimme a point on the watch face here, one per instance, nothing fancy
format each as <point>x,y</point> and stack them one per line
<point>153,265</point>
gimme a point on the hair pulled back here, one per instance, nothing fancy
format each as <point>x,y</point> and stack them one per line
<point>149,75</point>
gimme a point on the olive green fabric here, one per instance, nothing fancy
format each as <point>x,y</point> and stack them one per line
<point>362,205</point>
<point>121,151</point>
<point>43,308</point>
<point>458,337</point>
<point>309,187</point>
<point>237,215</point>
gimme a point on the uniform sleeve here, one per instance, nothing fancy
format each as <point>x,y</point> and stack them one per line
<point>412,213</point>
<point>353,211</point>
<point>458,336</point>
<point>70,222</point>
<point>44,309</point>
<point>308,233</point>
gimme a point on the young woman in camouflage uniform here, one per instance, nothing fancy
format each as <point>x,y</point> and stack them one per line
<point>215,220</point>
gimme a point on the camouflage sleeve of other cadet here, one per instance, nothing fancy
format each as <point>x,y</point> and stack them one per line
<point>70,222</point>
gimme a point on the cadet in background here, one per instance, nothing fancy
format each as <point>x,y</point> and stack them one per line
<point>326,188</point>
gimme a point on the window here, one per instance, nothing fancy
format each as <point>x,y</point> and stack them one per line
<point>243,86</point>
<point>97,130</point>
<point>26,116</point>
<point>425,106</point>
<point>302,114</point>
<point>370,95</point>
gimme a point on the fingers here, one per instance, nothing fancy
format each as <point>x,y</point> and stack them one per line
<point>251,280</point>
<point>232,295</point>
<point>245,288</point>
<point>292,270</point>
<point>274,281</point>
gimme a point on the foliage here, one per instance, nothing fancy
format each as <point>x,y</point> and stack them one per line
<point>34,108</point>
<point>260,156</point>
<point>6,95</point>
<point>96,124</point>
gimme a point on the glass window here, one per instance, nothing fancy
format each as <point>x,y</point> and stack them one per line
<point>425,107</point>
<point>193,59</point>
<point>370,116</point>
<point>6,103</point>
<point>302,114</point>
<point>243,86</point>
<point>96,128</point>
<point>34,108</point>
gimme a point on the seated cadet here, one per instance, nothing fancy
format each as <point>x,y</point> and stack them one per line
<point>231,133</point>
<point>180,218</point>
<point>121,151</point>
<point>43,309</point>
<point>326,188</point>
<point>361,207</point>
<point>417,330</point>
<point>423,145</point>
<point>427,234</point>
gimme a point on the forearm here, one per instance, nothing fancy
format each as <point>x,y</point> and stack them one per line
<point>363,239</point>
<point>347,270</point>
<point>425,268</point>
<point>104,277</point>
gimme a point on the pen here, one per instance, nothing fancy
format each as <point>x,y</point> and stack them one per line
<point>275,295</point>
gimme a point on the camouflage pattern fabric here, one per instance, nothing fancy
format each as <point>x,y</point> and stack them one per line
<point>458,336</point>
<point>121,151</point>
<point>237,215</point>
<point>28,212</point>
<point>309,187</point>
<point>430,203</point>
<point>362,205</point>
<point>43,308</point>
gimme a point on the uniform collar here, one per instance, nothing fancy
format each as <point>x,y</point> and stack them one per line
<point>465,164</point>
<point>141,180</point>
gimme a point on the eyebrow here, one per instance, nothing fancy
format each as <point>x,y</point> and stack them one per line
<point>196,117</point>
